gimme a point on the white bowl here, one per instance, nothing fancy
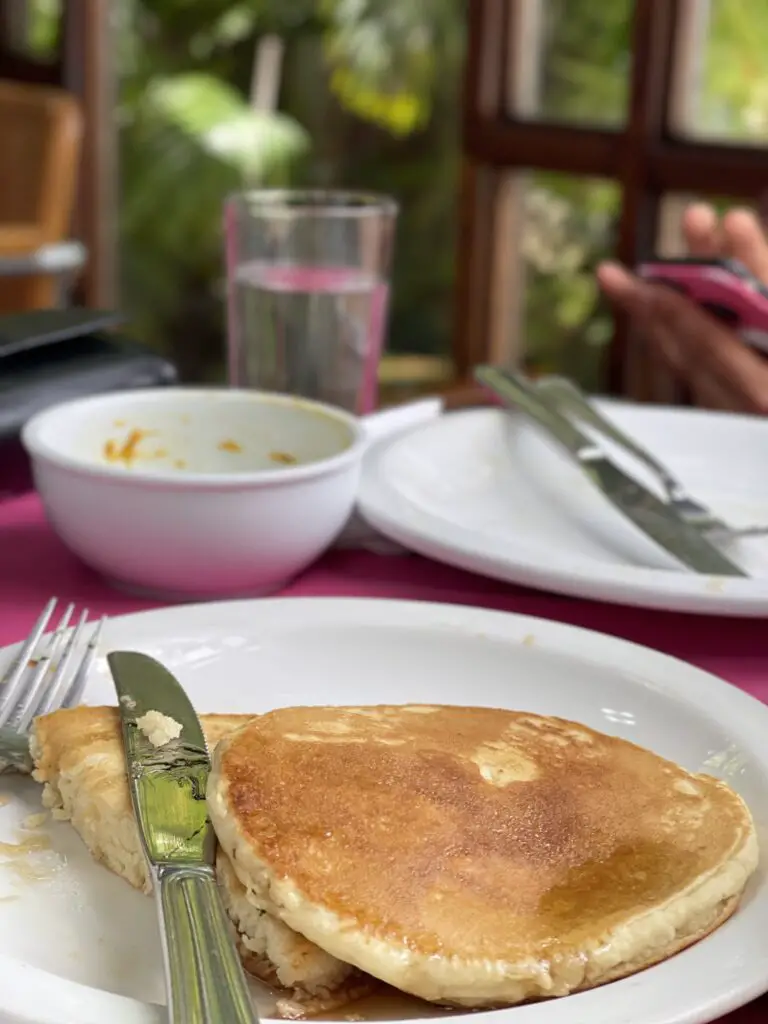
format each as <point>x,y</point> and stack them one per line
<point>196,493</point>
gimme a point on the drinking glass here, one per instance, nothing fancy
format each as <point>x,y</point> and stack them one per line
<point>307,292</point>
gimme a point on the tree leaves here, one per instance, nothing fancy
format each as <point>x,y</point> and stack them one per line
<point>382,57</point>
<point>260,147</point>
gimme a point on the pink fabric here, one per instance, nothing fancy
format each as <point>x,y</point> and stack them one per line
<point>35,565</point>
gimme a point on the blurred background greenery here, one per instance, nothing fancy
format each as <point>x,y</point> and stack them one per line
<point>217,94</point>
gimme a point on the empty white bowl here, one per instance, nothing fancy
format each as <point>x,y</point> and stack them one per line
<point>196,493</point>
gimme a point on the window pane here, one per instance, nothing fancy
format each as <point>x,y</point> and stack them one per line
<point>568,227</point>
<point>42,27</point>
<point>723,68</point>
<point>573,62</point>
<point>671,241</point>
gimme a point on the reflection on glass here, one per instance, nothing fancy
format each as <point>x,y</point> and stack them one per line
<point>723,51</point>
<point>568,227</point>
<point>573,62</point>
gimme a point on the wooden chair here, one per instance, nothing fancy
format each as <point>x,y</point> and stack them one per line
<point>40,134</point>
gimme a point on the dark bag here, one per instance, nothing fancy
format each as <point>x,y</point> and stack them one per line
<point>49,356</point>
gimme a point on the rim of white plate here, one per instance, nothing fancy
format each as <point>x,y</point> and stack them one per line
<point>30,995</point>
<point>386,510</point>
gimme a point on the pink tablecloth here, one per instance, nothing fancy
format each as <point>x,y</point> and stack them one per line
<point>34,565</point>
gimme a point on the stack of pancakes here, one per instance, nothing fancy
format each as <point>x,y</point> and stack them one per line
<point>469,856</point>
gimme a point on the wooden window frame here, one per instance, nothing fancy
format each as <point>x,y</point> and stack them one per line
<point>645,156</point>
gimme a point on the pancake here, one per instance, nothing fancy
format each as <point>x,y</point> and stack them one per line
<point>472,856</point>
<point>79,758</point>
<point>275,954</point>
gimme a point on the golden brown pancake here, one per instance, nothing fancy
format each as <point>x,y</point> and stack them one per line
<point>315,981</point>
<point>79,757</point>
<point>474,856</point>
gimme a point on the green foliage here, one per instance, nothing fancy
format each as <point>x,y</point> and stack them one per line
<point>568,229</point>
<point>188,141</point>
<point>384,57</point>
<point>568,222</point>
<point>43,30</point>
<point>189,136</point>
<point>585,72</point>
<point>734,95</point>
<point>261,148</point>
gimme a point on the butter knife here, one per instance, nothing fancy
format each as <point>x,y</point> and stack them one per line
<point>205,982</point>
<point>654,517</point>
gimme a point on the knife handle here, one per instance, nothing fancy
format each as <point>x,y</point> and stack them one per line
<point>515,390</point>
<point>204,976</point>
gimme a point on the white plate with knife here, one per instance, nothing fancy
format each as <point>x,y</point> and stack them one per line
<point>490,491</point>
<point>79,945</point>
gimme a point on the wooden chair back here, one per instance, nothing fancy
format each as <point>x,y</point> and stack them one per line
<point>41,132</point>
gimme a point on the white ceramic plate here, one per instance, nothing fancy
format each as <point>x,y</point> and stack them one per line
<point>79,946</point>
<point>485,491</point>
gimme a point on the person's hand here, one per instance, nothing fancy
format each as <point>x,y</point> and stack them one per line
<point>710,358</point>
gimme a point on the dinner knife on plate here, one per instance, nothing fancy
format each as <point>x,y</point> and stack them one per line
<point>569,400</point>
<point>654,517</point>
<point>168,766</point>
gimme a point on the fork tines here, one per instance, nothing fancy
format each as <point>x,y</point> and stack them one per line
<point>36,681</point>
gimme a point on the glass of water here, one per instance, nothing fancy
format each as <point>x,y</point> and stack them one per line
<point>307,292</point>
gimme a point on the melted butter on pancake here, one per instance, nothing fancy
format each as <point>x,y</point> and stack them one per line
<point>502,766</point>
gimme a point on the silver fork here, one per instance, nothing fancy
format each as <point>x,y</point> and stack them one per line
<point>36,682</point>
<point>569,399</point>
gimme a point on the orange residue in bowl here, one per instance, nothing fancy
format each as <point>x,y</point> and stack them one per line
<point>283,457</point>
<point>125,451</point>
<point>230,446</point>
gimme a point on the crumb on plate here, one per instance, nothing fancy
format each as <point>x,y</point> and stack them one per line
<point>34,821</point>
<point>32,844</point>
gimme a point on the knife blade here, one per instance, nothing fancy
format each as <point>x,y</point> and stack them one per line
<point>654,517</point>
<point>168,765</point>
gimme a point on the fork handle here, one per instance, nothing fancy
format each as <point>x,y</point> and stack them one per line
<point>205,981</point>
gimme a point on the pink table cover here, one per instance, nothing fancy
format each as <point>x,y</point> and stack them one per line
<point>34,565</point>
